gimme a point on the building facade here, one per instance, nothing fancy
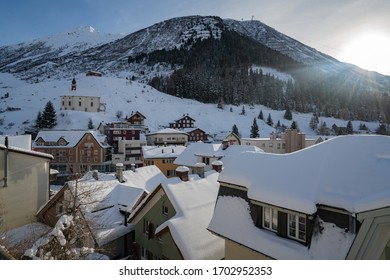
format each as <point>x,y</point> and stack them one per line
<point>82,103</point>
<point>290,141</point>
<point>167,136</point>
<point>75,151</point>
<point>24,186</point>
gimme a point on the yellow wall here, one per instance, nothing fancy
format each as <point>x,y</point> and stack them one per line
<point>234,251</point>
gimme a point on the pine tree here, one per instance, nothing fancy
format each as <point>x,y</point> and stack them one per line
<point>90,124</point>
<point>382,129</point>
<point>314,122</point>
<point>294,125</point>
<point>270,122</point>
<point>288,114</point>
<point>349,127</point>
<point>49,116</point>
<point>235,130</point>
<point>254,129</point>
<point>243,111</point>
<point>39,121</point>
<point>261,117</point>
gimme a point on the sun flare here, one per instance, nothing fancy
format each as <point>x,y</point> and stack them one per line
<point>369,51</point>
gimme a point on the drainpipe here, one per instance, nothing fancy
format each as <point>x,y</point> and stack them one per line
<point>6,163</point>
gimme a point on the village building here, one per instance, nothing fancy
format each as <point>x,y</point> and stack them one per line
<point>184,122</point>
<point>24,181</point>
<point>130,129</point>
<point>129,153</point>
<point>163,157</point>
<point>106,200</point>
<point>172,222</point>
<point>196,134</point>
<point>205,154</point>
<point>328,201</point>
<point>229,136</point>
<point>75,151</point>
<point>167,136</point>
<point>82,103</point>
<point>290,141</point>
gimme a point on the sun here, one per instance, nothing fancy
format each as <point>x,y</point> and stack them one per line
<point>370,51</point>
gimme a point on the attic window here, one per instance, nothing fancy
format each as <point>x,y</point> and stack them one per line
<point>270,218</point>
<point>165,210</point>
<point>297,227</point>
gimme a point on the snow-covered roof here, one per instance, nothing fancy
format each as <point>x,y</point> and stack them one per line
<point>150,152</point>
<point>18,141</point>
<point>168,131</point>
<point>71,136</point>
<point>232,220</point>
<point>190,129</point>
<point>189,156</point>
<point>21,144</point>
<point>349,172</point>
<point>194,203</point>
<point>108,197</point>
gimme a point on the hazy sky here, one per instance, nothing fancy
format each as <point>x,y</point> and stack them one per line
<point>340,28</point>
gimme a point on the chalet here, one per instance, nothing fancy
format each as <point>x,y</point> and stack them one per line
<point>184,122</point>
<point>167,136</point>
<point>196,134</point>
<point>24,183</point>
<point>290,141</point>
<point>171,224</point>
<point>228,136</point>
<point>107,199</point>
<point>75,151</point>
<point>162,157</point>
<point>328,201</point>
<point>136,119</point>
<point>82,103</point>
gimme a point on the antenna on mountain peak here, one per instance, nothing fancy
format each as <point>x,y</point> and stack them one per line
<point>252,17</point>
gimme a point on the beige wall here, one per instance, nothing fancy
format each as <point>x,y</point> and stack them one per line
<point>27,189</point>
<point>80,103</point>
<point>234,251</point>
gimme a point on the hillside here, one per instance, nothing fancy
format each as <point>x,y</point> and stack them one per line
<point>19,111</point>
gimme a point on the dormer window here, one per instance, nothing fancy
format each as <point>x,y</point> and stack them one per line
<point>297,227</point>
<point>270,218</point>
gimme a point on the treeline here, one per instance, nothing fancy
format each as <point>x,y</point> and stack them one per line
<point>221,69</point>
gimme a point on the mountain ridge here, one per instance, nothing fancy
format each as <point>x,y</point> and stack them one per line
<point>320,72</point>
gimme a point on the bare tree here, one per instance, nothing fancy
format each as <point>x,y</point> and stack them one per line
<point>71,237</point>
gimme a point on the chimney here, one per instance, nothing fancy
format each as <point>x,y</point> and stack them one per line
<point>95,175</point>
<point>132,167</point>
<point>119,172</point>
<point>182,173</point>
<point>217,165</point>
<point>199,167</point>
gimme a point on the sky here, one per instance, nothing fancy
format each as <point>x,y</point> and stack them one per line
<point>355,31</point>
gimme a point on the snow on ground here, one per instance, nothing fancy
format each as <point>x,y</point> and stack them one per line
<point>121,95</point>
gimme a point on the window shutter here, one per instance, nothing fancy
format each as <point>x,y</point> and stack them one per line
<point>282,224</point>
<point>151,231</point>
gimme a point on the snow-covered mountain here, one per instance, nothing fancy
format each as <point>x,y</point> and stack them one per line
<point>40,70</point>
<point>73,52</point>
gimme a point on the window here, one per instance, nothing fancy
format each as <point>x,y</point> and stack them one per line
<point>297,227</point>
<point>270,218</point>
<point>165,210</point>
<point>146,226</point>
